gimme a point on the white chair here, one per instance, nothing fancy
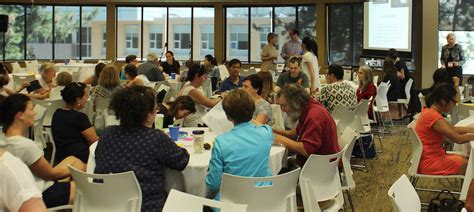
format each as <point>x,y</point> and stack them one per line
<point>403,196</point>
<point>224,73</point>
<point>405,101</point>
<point>207,88</point>
<point>51,107</point>
<point>376,80</point>
<point>422,100</point>
<point>16,68</point>
<point>347,73</point>
<point>345,117</point>
<point>74,71</point>
<point>247,72</point>
<point>348,138</point>
<point>277,117</point>
<point>32,66</point>
<point>464,111</point>
<point>194,203</point>
<point>48,137</point>
<point>19,79</point>
<point>106,192</point>
<point>317,185</point>
<point>278,195</point>
<point>417,149</point>
<point>381,104</point>
<point>91,160</point>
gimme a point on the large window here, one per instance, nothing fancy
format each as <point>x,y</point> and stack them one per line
<point>247,28</point>
<point>52,32</point>
<point>345,28</point>
<point>186,31</point>
<point>457,16</point>
<point>203,32</point>
<point>94,39</point>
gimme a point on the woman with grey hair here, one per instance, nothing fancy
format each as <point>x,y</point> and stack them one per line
<point>366,89</point>
<point>452,57</point>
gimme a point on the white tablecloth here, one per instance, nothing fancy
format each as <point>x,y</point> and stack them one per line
<point>468,150</point>
<point>192,179</point>
<point>86,69</point>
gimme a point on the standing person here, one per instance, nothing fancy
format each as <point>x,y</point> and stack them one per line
<point>452,57</point>
<point>135,146</point>
<point>292,47</point>
<point>234,80</point>
<point>210,64</point>
<point>150,68</point>
<point>245,149</point>
<point>309,63</point>
<point>269,54</point>
<point>170,65</point>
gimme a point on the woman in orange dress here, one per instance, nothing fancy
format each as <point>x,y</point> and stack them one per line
<point>432,128</point>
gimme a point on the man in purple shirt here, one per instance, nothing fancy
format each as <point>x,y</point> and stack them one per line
<point>293,46</point>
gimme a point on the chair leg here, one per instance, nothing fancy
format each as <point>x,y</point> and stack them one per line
<point>349,197</point>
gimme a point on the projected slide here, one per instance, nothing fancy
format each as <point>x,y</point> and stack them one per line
<point>387,24</point>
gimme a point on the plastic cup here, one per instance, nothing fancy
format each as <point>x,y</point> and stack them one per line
<point>159,121</point>
<point>173,75</point>
<point>198,137</point>
<point>174,132</point>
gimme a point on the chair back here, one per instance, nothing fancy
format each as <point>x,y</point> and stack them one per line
<point>464,111</point>
<point>275,193</point>
<point>347,73</point>
<point>207,88</point>
<point>376,80</point>
<point>381,100</point>
<point>344,117</point>
<point>408,88</point>
<point>422,100</point>
<point>277,118</point>
<point>324,185</point>
<point>194,203</point>
<point>347,140</point>
<point>106,192</point>
<point>74,71</point>
<point>32,66</point>
<point>48,137</point>
<point>247,72</point>
<point>51,107</point>
<point>18,79</point>
<point>417,148</point>
<point>403,196</point>
<point>362,112</point>
<point>224,73</point>
<point>16,68</point>
<point>91,160</point>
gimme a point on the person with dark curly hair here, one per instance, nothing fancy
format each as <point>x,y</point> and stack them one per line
<point>135,146</point>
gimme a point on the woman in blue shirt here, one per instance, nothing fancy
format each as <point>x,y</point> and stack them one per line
<point>244,150</point>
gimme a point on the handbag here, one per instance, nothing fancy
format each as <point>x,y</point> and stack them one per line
<point>450,204</point>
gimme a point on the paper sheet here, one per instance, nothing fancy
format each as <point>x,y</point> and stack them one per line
<point>217,121</point>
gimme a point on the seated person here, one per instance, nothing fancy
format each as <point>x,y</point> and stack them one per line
<point>180,108</point>
<point>170,65</point>
<point>150,68</point>
<point>366,89</point>
<point>135,146</point>
<point>442,76</point>
<point>133,79</point>
<point>253,85</point>
<point>337,92</point>
<point>129,60</point>
<point>4,80</point>
<point>316,132</point>
<point>197,75</point>
<point>210,63</point>
<point>268,87</point>
<point>184,72</point>
<point>244,150</point>
<point>294,76</point>
<point>63,79</point>
<point>19,191</point>
<point>432,129</point>
<point>47,73</point>
<point>72,130</point>
<point>390,74</point>
<point>94,79</point>
<point>234,80</point>
<point>17,116</point>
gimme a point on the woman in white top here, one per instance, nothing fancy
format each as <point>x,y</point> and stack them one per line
<point>17,115</point>
<point>196,77</point>
<point>309,64</point>
<point>19,191</point>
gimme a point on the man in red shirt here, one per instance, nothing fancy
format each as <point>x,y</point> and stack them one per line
<point>316,132</point>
